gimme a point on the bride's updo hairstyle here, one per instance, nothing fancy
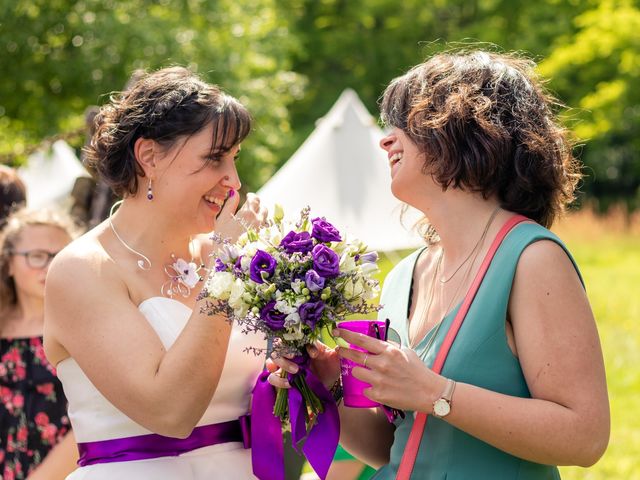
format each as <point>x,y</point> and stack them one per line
<point>485,124</point>
<point>167,106</point>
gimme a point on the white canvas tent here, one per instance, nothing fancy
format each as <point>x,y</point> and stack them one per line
<point>341,172</point>
<point>50,175</point>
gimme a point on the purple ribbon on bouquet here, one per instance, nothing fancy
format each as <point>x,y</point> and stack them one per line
<point>266,431</point>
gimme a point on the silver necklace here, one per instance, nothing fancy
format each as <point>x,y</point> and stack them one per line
<point>183,275</point>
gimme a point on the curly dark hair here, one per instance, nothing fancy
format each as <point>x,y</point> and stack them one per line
<point>486,124</point>
<point>164,106</point>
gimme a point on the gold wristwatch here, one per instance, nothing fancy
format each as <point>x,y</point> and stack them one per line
<point>442,406</point>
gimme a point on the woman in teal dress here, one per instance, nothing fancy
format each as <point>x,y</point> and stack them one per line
<point>473,141</point>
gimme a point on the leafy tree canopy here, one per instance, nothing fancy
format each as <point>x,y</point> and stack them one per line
<point>289,60</point>
<point>59,56</point>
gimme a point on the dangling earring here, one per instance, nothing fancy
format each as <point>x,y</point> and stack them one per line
<point>149,192</point>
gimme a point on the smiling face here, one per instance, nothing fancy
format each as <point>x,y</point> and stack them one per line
<point>408,182</point>
<point>29,270</point>
<point>192,181</point>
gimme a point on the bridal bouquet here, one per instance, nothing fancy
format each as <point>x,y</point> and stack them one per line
<point>292,281</point>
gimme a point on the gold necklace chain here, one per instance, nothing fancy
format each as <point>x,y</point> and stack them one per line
<point>424,313</point>
<point>427,309</point>
<point>475,247</point>
<point>432,338</point>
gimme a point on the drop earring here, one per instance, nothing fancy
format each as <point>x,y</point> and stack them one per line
<point>149,192</point>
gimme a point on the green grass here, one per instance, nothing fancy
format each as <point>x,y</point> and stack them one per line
<point>610,266</point>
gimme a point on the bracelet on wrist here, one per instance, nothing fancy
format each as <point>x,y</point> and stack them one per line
<point>336,391</point>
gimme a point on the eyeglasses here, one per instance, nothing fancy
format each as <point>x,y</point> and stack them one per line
<point>37,258</point>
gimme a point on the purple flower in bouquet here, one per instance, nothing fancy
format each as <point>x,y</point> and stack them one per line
<point>261,262</point>
<point>325,261</point>
<point>220,266</point>
<point>304,280</point>
<point>238,265</point>
<point>273,318</point>
<point>311,312</point>
<point>370,257</point>
<point>297,242</point>
<point>314,282</point>
<point>323,231</point>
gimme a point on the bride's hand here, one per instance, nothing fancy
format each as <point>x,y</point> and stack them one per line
<point>231,224</point>
<point>325,364</point>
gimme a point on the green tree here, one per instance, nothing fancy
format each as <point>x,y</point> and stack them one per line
<point>59,56</point>
<point>363,44</point>
<point>290,60</point>
<point>597,70</point>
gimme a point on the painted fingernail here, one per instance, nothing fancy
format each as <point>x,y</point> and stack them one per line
<point>232,193</point>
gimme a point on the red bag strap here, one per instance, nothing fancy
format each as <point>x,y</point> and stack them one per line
<point>413,443</point>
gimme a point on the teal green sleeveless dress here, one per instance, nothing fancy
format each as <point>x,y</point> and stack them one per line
<point>479,356</point>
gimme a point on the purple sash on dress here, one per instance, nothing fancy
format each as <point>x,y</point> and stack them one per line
<point>143,447</point>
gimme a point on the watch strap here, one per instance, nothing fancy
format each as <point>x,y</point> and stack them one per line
<point>447,394</point>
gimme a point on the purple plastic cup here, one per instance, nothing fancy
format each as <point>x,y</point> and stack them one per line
<point>351,386</point>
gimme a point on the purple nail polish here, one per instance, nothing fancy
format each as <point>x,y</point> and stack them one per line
<point>231,193</point>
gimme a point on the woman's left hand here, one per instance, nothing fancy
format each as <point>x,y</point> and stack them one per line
<point>397,376</point>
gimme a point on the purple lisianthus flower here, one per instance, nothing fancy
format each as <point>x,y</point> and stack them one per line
<point>370,257</point>
<point>323,231</point>
<point>311,312</point>
<point>261,262</point>
<point>314,281</point>
<point>273,318</point>
<point>238,264</point>
<point>297,242</point>
<point>325,261</point>
<point>220,266</point>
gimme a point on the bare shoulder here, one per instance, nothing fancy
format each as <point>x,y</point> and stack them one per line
<point>77,281</point>
<point>546,261</point>
<point>84,263</point>
<point>75,289</point>
<point>547,292</point>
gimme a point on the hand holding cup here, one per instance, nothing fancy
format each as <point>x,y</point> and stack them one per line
<point>394,376</point>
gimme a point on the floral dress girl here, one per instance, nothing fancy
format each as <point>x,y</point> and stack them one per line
<point>33,408</point>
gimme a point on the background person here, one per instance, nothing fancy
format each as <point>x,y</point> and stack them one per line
<point>35,434</point>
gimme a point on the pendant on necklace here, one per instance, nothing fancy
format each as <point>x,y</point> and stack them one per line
<point>183,276</point>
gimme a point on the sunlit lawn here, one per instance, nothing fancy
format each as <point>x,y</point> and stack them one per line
<point>608,253</point>
<point>610,263</point>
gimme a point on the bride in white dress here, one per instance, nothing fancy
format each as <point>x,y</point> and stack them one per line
<point>157,388</point>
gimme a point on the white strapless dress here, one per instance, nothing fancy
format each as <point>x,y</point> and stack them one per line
<point>94,418</point>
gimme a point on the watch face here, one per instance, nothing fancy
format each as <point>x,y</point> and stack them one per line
<point>441,407</point>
